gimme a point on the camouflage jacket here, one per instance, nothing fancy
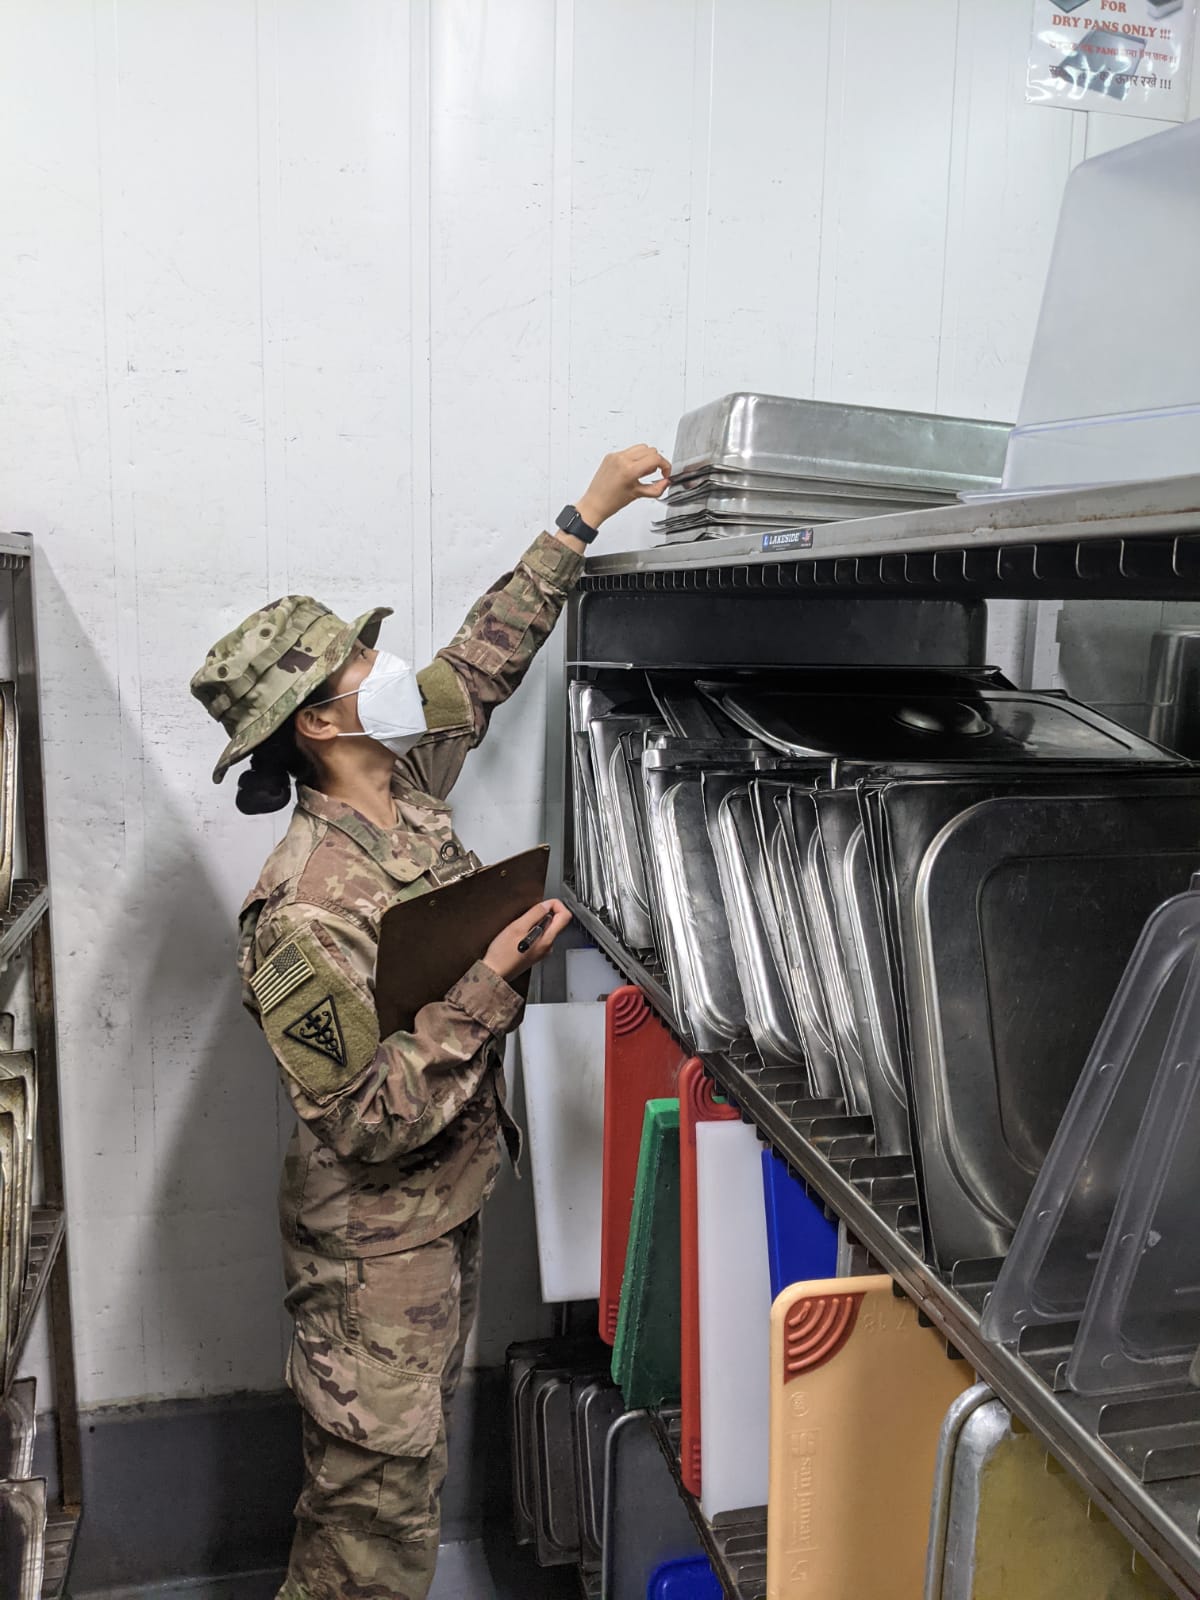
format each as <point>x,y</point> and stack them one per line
<point>397,1138</point>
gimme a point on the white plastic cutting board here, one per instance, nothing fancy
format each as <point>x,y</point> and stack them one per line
<point>562,1056</point>
<point>735,1318</point>
<point>589,975</point>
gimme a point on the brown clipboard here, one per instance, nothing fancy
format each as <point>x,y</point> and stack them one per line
<point>427,943</point>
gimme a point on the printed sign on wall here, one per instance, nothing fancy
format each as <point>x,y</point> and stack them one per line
<point>1132,57</point>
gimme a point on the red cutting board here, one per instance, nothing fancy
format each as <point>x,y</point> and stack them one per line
<point>641,1062</point>
<point>697,1103</point>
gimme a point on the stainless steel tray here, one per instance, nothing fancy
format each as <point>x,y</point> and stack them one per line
<point>584,701</point>
<point>806,505</point>
<point>825,440</point>
<point>18,1123</point>
<point>687,713</point>
<point>700,956</point>
<point>693,529</point>
<point>645,1521</point>
<point>804,840</point>
<point>1008,1520</point>
<point>1024,894</point>
<point>22,1539</point>
<point>620,844</point>
<point>588,852</point>
<point>992,726</point>
<point>9,749</point>
<point>556,1511</point>
<point>596,1404</point>
<point>771,799</point>
<point>956,1419</point>
<point>856,909</point>
<point>18,1425</point>
<point>777,489</point>
<point>755,937</point>
<point>632,748</point>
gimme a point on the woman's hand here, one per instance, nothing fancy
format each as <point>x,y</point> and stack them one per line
<point>618,483</point>
<point>502,954</point>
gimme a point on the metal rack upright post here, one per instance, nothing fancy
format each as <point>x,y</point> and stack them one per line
<point>25,935</point>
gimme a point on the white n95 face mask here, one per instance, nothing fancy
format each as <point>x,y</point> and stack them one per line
<point>389,705</point>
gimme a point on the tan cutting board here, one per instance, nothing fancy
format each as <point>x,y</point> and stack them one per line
<point>858,1393</point>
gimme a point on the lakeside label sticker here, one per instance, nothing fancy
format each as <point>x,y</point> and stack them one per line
<point>1128,57</point>
<point>792,539</point>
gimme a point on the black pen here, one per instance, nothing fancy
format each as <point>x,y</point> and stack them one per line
<point>534,934</point>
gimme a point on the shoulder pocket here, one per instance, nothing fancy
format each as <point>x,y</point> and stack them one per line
<point>321,1024</point>
<point>445,699</point>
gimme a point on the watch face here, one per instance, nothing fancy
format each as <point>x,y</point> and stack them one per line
<point>571,522</point>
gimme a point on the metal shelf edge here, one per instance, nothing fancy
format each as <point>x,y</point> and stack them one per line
<point>1163,507</point>
<point>62,1529</point>
<point>17,545</point>
<point>1148,1527</point>
<point>704,1528</point>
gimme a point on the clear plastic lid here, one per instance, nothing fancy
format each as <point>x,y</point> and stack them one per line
<point>1119,209</point>
<point>1141,1324</point>
<point>1087,451</point>
<point>1050,1267</point>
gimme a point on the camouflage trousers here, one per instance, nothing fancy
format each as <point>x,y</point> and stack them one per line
<point>376,1354</point>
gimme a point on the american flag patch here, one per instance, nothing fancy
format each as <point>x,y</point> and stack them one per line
<point>285,971</point>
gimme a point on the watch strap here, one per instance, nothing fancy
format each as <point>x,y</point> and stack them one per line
<point>572,523</point>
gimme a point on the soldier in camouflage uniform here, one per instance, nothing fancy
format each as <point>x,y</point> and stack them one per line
<point>396,1144</point>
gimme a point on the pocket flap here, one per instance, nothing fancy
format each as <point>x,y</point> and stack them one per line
<point>355,1397</point>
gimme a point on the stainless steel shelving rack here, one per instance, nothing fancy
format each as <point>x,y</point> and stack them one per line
<point>1134,541</point>
<point>25,935</point>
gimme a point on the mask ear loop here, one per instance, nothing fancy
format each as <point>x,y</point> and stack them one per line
<point>313,705</point>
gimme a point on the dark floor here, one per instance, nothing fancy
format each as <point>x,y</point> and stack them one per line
<point>494,1569</point>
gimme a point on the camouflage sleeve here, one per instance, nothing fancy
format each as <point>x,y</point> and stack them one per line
<point>485,661</point>
<point>369,1099</point>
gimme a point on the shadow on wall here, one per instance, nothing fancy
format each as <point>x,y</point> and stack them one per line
<point>175,1123</point>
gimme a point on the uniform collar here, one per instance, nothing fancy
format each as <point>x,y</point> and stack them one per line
<point>403,854</point>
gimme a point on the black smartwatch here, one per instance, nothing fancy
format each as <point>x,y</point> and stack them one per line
<point>571,522</point>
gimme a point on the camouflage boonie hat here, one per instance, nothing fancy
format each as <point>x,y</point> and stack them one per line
<point>255,677</point>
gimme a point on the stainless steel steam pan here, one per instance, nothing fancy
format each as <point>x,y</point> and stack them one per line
<point>1014,914</point>
<point>825,440</point>
<point>754,931</point>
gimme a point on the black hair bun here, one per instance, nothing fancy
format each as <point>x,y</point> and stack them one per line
<point>264,786</point>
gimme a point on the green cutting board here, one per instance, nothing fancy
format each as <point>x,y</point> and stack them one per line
<point>645,1363</point>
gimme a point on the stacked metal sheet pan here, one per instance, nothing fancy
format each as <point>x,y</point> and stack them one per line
<point>918,888</point>
<point>1007,1519</point>
<point>562,1405</point>
<point>18,1124</point>
<point>22,1499</point>
<point>9,743</point>
<point>751,463</point>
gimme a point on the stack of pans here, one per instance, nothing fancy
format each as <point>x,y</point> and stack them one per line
<point>759,463</point>
<point>916,889</point>
<point>18,1126</point>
